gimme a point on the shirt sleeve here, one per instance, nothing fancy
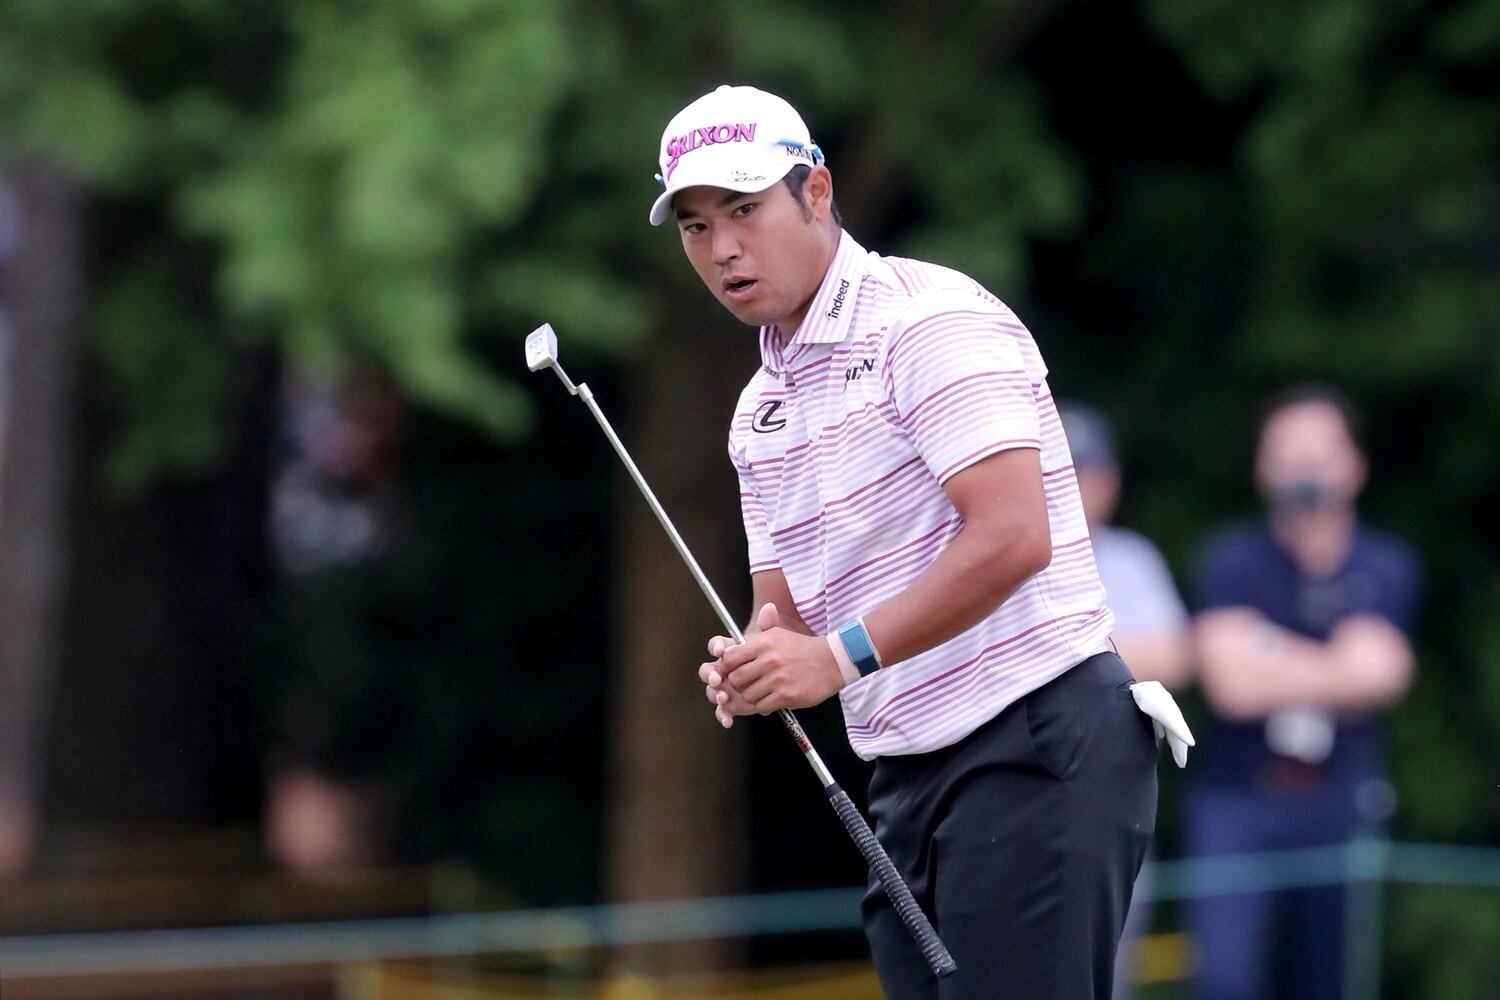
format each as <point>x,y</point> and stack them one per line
<point>958,380</point>
<point>757,533</point>
<point>1402,602</point>
<point>1225,579</point>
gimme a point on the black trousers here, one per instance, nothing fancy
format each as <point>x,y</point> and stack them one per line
<point>1022,843</point>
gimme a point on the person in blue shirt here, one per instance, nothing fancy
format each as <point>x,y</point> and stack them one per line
<point>1301,635</point>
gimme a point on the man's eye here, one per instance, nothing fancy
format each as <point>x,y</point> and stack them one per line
<point>693,228</point>
<point>745,209</point>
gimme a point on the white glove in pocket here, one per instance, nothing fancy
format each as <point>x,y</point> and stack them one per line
<point>1166,718</point>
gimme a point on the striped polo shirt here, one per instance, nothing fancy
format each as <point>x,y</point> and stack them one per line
<point>902,374</point>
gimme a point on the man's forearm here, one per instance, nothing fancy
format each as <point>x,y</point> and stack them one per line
<point>1252,668</point>
<point>1294,671</point>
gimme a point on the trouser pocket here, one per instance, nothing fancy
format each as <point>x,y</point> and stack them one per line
<point>1053,723</point>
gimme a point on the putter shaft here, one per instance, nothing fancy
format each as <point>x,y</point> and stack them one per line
<point>541,352</point>
<point>725,618</point>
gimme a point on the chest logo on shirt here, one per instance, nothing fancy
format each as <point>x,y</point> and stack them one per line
<point>857,370</point>
<point>766,419</point>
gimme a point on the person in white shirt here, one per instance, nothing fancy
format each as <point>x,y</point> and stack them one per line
<point>917,547</point>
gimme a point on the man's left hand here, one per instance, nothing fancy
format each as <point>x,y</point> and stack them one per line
<point>776,668</point>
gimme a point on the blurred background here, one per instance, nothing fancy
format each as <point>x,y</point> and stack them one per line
<point>339,659</point>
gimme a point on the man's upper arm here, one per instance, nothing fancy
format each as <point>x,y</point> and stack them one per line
<point>1405,587</point>
<point>1226,575</point>
<point>1229,624</point>
<point>959,383</point>
<point>1002,496</point>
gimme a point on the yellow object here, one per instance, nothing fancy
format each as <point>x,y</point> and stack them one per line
<point>1164,958</point>
<point>1161,958</point>
<point>393,982</point>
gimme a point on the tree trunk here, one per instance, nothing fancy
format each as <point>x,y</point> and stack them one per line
<point>45,288</point>
<point>677,820</point>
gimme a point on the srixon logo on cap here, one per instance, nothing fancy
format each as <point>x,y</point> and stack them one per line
<point>709,135</point>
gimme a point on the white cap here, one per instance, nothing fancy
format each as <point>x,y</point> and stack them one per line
<point>736,138</point>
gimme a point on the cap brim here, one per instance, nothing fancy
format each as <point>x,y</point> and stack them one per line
<point>661,208</point>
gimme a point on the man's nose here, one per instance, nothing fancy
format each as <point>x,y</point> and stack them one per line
<point>726,246</point>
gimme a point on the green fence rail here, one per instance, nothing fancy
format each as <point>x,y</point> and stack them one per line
<point>1365,866</point>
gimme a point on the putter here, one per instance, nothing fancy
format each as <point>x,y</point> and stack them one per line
<point>541,352</point>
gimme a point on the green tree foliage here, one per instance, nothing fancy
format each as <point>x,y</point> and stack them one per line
<point>391,180</point>
<point>399,134</point>
<point>340,168</point>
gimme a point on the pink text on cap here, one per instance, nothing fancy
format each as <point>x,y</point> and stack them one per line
<point>709,135</point>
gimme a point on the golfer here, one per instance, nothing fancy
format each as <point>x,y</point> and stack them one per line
<point>917,547</point>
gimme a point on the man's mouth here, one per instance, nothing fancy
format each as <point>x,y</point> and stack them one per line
<point>739,288</point>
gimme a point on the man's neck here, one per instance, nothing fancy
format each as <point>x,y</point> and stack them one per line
<point>1318,542</point>
<point>788,326</point>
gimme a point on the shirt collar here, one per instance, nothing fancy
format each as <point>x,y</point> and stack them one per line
<point>829,313</point>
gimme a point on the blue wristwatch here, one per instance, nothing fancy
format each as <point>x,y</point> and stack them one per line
<point>857,644</point>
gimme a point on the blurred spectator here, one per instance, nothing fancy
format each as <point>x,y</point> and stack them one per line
<point>335,510</point>
<point>10,237</point>
<point>1150,619</point>
<point>1301,637</point>
<point>17,791</point>
<point>1151,631</point>
<point>334,500</point>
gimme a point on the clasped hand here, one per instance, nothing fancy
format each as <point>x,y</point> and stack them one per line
<point>772,669</point>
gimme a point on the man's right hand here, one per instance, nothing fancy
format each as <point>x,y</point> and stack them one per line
<point>777,610</point>
<point>727,702</point>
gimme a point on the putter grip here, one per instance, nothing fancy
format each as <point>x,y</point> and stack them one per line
<point>895,886</point>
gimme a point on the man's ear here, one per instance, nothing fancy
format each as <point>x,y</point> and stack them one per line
<point>818,190</point>
<point>1361,474</point>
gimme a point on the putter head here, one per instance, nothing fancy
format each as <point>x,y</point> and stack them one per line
<point>541,348</point>
<point>541,352</point>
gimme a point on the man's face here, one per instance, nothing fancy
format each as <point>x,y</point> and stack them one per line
<point>1307,460</point>
<point>759,253</point>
